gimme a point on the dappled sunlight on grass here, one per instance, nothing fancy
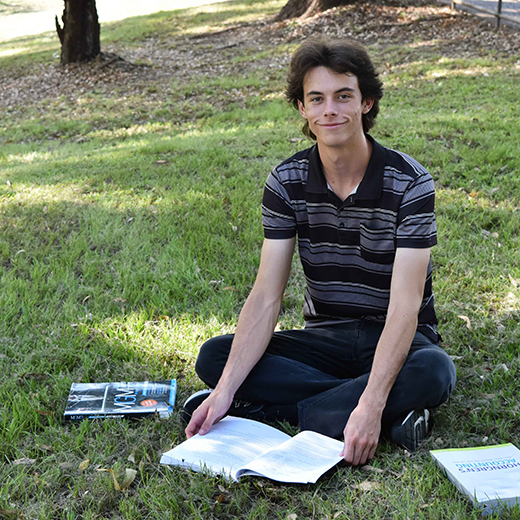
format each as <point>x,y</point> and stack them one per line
<point>20,50</point>
<point>168,339</point>
<point>417,71</point>
<point>13,51</point>
<point>118,133</point>
<point>213,17</point>
<point>131,233</point>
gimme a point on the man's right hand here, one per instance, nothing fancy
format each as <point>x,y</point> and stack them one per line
<point>208,413</point>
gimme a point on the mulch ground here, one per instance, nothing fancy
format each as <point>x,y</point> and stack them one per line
<point>427,28</point>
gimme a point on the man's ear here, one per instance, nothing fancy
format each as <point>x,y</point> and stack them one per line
<point>302,110</point>
<point>368,103</point>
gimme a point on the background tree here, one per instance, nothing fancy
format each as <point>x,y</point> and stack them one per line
<point>79,35</point>
<point>304,8</point>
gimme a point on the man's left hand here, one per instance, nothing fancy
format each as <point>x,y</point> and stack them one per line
<point>361,436</point>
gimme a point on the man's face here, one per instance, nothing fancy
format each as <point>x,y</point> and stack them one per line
<point>333,106</point>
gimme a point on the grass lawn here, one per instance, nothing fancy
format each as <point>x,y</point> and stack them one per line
<point>130,232</point>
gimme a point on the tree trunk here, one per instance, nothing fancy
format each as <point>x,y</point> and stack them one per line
<point>305,8</point>
<point>79,35</point>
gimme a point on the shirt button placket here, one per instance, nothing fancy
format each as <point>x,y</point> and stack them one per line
<point>342,232</point>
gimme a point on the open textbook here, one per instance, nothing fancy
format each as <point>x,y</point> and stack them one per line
<point>489,475</point>
<point>236,447</point>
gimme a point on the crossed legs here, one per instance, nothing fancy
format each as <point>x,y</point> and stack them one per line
<point>314,377</point>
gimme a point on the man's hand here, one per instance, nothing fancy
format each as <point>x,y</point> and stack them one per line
<point>361,436</point>
<point>208,413</point>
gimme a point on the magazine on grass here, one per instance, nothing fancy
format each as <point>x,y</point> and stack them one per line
<point>237,447</point>
<point>120,400</point>
<point>489,475</point>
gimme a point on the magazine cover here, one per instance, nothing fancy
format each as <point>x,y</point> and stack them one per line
<point>489,475</point>
<point>119,400</point>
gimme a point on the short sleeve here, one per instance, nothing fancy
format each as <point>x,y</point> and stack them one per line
<point>278,215</point>
<point>417,227</point>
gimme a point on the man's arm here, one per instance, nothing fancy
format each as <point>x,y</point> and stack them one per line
<point>255,327</point>
<point>406,293</point>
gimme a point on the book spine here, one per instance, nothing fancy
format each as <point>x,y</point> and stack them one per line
<point>79,417</point>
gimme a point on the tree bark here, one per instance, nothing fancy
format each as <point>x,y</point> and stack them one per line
<point>79,35</point>
<point>305,8</point>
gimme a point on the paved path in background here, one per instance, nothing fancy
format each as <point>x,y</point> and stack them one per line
<point>510,8</point>
<point>40,17</point>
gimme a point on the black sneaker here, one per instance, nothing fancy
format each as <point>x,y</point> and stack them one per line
<point>192,403</point>
<point>246,410</point>
<point>411,431</point>
<point>238,408</point>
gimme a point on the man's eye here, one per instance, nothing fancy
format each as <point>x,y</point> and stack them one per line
<point>316,99</point>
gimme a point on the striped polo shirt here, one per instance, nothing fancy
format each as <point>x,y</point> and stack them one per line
<point>347,248</point>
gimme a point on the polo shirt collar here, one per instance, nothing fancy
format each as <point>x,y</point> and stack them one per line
<point>372,183</point>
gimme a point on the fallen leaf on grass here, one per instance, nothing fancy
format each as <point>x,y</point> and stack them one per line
<point>367,486</point>
<point>371,468</point>
<point>220,499</point>
<point>24,462</point>
<point>37,376</point>
<point>467,320</point>
<point>129,478</point>
<point>292,516</point>
<point>84,465</point>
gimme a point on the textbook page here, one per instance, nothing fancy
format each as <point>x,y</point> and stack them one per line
<point>302,459</point>
<point>231,443</point>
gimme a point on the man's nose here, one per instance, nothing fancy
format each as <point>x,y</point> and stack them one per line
<point>330,108</point>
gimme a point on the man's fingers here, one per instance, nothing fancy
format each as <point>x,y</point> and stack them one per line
<point>206,415</point>
<point>206,426</point>
<point>358,455</point>
<point>348,451</point>
<point>193,427</point>
<point>372,452</point>
<point>201,422</point>
<point>358,451</point>
<point>196,422</point>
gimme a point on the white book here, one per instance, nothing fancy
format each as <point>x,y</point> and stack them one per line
<point>236,447</point>
<point>489,475</point>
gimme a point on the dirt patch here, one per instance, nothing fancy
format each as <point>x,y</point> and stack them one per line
<point>423,28</point>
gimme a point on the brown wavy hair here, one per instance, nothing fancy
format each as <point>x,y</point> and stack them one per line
<point>342,57</point>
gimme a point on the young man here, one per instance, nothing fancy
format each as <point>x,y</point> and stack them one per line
<point>368,362</point>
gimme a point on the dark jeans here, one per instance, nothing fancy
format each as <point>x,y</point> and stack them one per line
<point>319,374</point>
